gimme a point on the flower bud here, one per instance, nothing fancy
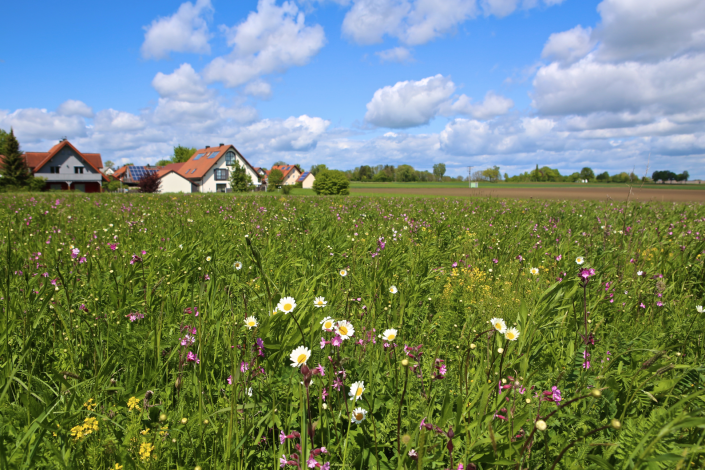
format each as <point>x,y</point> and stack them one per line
<point>541,425</point>
<point>205,421</point>
<point>616,424</point>
<point>500,350</point>
<point>162,417</point>
<point>596,393</point>
<point>405,362</point>
<point>184,420</point>
<point>325,407</point>
<point>472,346</point>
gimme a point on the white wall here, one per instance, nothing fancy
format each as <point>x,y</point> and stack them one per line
<point>308,182</point>
<point>209,182</point>
<point>172,182</point>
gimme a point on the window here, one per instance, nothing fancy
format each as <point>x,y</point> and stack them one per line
<point>55,187</point>
<point>55,169</point>
<point>198,156</point>
<point>78,170</point>
<point>230,159</point>
<point>220,188</point>
<point>213,154</point>
<point>221,174</point>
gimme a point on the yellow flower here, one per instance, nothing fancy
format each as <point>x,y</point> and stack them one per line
<point>146,450</point>
<point>133,404</point>
<point>117,467</point>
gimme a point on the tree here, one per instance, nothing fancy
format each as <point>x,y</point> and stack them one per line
<point>406,173</point>
<point>315,169</point>
<point>587,174</point>
<point>279,163</point>
<point>3,138</point>
<point>150,183</point>
<point>164,162</point>
<point>14,168</point>
<point>604,177</point>
<point>492,174</point>
<point>663,175</point>
<point>240,181</point>
<point>439,169</point>
<point>274,180</point>
<point>683,176</point>
<point>182,154</point>
<point>366,173</point>
<point>331,182</point>
<point>381,177</point>
<point>109,164</point>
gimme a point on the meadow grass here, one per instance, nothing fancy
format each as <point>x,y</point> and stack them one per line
<point>259,331</point>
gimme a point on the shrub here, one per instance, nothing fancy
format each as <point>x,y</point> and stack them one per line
<point>286,189</point>
<point>240,181</point>
<point>274,180</point>
<point>330,183</point>
<point>150,183</point>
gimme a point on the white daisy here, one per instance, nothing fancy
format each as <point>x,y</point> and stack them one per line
<point>208,258</point>
<point>343,272</point>
<point>499,325</point>
<point>699,308</point>
<point>534,271</point>
<point>358,415</point>
<point>237,265</point>
<point>393,290</point>
<point>299,356</point>
<point>345,329</point>
<point>249,392</point>
<point>320,302</point>
<point>390,334</point>
<point>286,305</point>
<point>250,322</point>
<point>356,390</point>
<point>328,324</point>
<point>275,311</point>
<point>512,334</point>
<point>580,260</point>
<point>640,273</point>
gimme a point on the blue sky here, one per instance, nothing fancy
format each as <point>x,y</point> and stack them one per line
<point>614,85</point>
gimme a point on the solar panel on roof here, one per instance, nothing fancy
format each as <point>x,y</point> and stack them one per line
<point>199,156</point>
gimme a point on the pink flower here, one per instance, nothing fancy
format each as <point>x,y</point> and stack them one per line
<point>311,462</point>
<point>244,366</point>
<point>282,460</point>
<point>319,371</point>
<point>659,304</point>
<point>337,341</point>
<point>191,357</point>
<point>230,382</point>
<point>282,438</point>
<point>324,342</point>
<point>75,252</point>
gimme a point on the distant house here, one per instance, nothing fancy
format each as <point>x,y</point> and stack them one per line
<point>291,173</point>
<point>207,171</point>
<point>65,168</point>
<point>131,174</point>
<point>306,179</point>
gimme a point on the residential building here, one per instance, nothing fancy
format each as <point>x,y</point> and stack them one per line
<point>291,173</point>
<point>306,179</point>
<point>66,168</point>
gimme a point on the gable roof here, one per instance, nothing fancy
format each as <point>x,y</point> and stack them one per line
<point>303,177</point>
<point>285,169</point>
<point>36,160</point>
<point>169,168</point>
<point>120,172</point>
<point>203,160</point>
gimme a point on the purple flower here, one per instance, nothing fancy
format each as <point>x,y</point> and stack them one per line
<point>559,257</point>
<point>659,304</point>
<point>191,357</point>
<point>282,438</point>
<point>244,366</point>
<point>311,462</point>
<point>282,460</point>
<point>74,253</point>
<point>495,260</point>
<point>586,273</point>
<point>337,341</point>
<point>230,382</point>
<point>586,365</point>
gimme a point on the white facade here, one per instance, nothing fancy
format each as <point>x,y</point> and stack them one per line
<point>307,183</point>
<point>208,184</point>
<point>173,182</point>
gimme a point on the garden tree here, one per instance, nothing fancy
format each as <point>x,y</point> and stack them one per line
<point>492,174</point>
<point>274,180</point>
<point>365,172</point>
<point>405,173</point>
<point>279,163</point>
<point>240,181</point>
<point>439,169</point>
<point>150,183</point>
<point>587,174</point>
<point>182,154</point>
<point>109,164</point>
<point>13,167</point>
<point>506,177</point>
<point>315,169</point>
<point>622,177</point>
<point>331,183</point>
<point>604,177</point>
<point>574,177</point>
<point>3,138</point>
<point>164,162</point>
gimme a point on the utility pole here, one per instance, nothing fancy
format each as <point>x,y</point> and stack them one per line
<point>469,176</point>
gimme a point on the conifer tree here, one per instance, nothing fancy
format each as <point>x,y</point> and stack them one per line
<point>239,179</point>
<point>14,168</point>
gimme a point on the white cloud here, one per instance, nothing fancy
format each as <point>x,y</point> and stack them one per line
<point>75,108</point>
<point>184,84</point>
<point>184,31</point>
<point>493,105</point>
<point>32,125</point>
<point>270,40</point>
<point>569,46</point>
<point>121,121</point>
<point>369,20</point>
<point>409,103</point>
<point>396,54</point>
<point>293,134</point>
<point>259,88</point>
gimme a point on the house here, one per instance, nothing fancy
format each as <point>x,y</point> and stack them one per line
<point>66,168</point>
<point>291,173</point>
<point>131,174</point>
<point>207,171</point>
<point>306,179</point>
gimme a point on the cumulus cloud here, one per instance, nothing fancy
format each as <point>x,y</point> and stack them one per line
<point>32,125</point>
<point>272,39</point>
<point>493,105</point>
<point>409,103</point>
<point>293,134</point>
<point>75,108</point>
<point>259,88</point>
<point>184,84</point>
<point>121,121</point>
<point>569,46</point>
<point>396,54</point>
<point>184,31</point>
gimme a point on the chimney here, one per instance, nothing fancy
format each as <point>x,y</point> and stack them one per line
<point>208,146</point>
<point>220,145</point>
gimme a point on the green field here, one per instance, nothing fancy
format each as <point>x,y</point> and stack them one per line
<point>218,331</point>
<point>461,184</point>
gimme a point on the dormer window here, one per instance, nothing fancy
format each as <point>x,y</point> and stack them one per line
<point>54,169</point>
<point>78,170</point>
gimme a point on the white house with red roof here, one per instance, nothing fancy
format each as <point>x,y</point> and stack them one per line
<point>207,171</point>
<point>306,179</point>
<point>66,168</point>
<point>291,173</point>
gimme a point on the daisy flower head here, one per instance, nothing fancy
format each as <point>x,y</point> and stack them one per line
<point>208,258</point>
<point>275,311</point>
<point>640,273</point>
<point>358,415</point>
<point>499,325</point>
<point>237,265</point>
<point>699,308</point>
<point>328,324</point>
<point>250,322</point>
<point>580,260</point>
<point>345,329</point>
<point>343,272</point>
<point>299,356</point>
<point>534,271</point>
<point>393,290</point>
<point>356,390</point>
<point>286,305</point>
<point>320,302</point>
<point>512,334</point>
<point>389,335</point>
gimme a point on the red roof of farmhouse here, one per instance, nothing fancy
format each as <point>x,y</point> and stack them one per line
<point>203,160</point>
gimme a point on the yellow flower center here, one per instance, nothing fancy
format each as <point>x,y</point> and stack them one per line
<point>498,326</point>
<point>328,325</point>
<point>391,336</point>
<point>510,335</point>
<point>343,329</point>
<point>359,391</point>
<point>301,359</point>
<point>287,307</point>
<point>359,416</point>
<point>251,323</point>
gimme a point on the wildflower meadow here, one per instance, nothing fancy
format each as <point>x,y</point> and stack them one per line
<point>264,332</point>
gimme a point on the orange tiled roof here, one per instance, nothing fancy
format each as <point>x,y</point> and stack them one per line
<point>285,169</point>
<point>120,172</point>
<point>203,160</point>
<point>170,167</point>
<point>36,160</point>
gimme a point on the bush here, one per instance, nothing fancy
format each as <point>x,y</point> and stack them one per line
<point>150,183</point>
<point>274,179</point>
<point>286,189</point>
<point>330,183</point>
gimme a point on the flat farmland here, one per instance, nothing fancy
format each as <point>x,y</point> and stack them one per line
<point>689,193</point>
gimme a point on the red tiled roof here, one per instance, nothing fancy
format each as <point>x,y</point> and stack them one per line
<point>120,172</point>
<point>285,169</point>
<point>203,160</point>
<point>168,168</point>
<point>36,160</point>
